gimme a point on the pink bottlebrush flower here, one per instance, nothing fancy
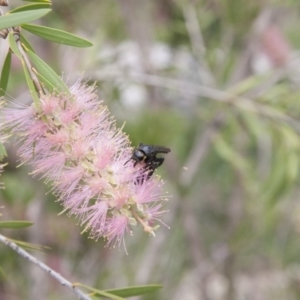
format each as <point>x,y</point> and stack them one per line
<point>115,229</point>
<point>94,217</point>
<point>72,142</point>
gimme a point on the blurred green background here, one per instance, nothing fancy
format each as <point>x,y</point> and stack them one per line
<point>218,82</point>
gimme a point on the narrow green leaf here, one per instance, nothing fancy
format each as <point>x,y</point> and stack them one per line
<point>135,290</point>
<point>31,86</point>
<point>248,84</point>
<point>31,7</point>
<point>97,292</point>
<point>29,246</point>
<point>26,43</point>
<point>47,84</point>
<point>19,18</point>
<point>5,74</point>
<point>15,224</point>
<point>57,36</point>
<point>48,73</point>
<point>13,45</point>
<point>230,154</point>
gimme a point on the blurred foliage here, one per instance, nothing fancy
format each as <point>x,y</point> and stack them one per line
<point>235,223</point>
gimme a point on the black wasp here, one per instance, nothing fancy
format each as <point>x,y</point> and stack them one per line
<point>146,155</point>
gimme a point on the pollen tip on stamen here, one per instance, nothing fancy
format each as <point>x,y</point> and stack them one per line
<point>21,164</point>
<point>84,230</point>
<point>122,127</point>
<point>152,233</point>
<point>63,211</point>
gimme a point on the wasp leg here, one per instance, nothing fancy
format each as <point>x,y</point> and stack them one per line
<point>149,170</point>
<point>158,162</point>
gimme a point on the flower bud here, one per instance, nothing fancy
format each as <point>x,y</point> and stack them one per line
<point>3,2</point>
<point>4,33</point>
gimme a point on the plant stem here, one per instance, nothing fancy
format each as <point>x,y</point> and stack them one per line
<point>51,272</point>
<point>28,64</point>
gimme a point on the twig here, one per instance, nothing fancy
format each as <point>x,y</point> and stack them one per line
<point>16,32</point>
<point>28,64</point>
<point>55,275</point>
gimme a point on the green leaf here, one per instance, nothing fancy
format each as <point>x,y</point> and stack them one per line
<point>26,43</point>
<point>31,86</point>
<point>31,7</point>
<point>248,84</point>
<point>19,18</point>
<point>29,246</point>
<point>135,290</point>
<point>57,36</point>
<point>46,83</point>
<point>99,292</point>
<point>13,45</point>
<point>230,154</point>
<point>15,224</point>
<point>5,74</point>
<point>123,292</point>
<point>48,73</point>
